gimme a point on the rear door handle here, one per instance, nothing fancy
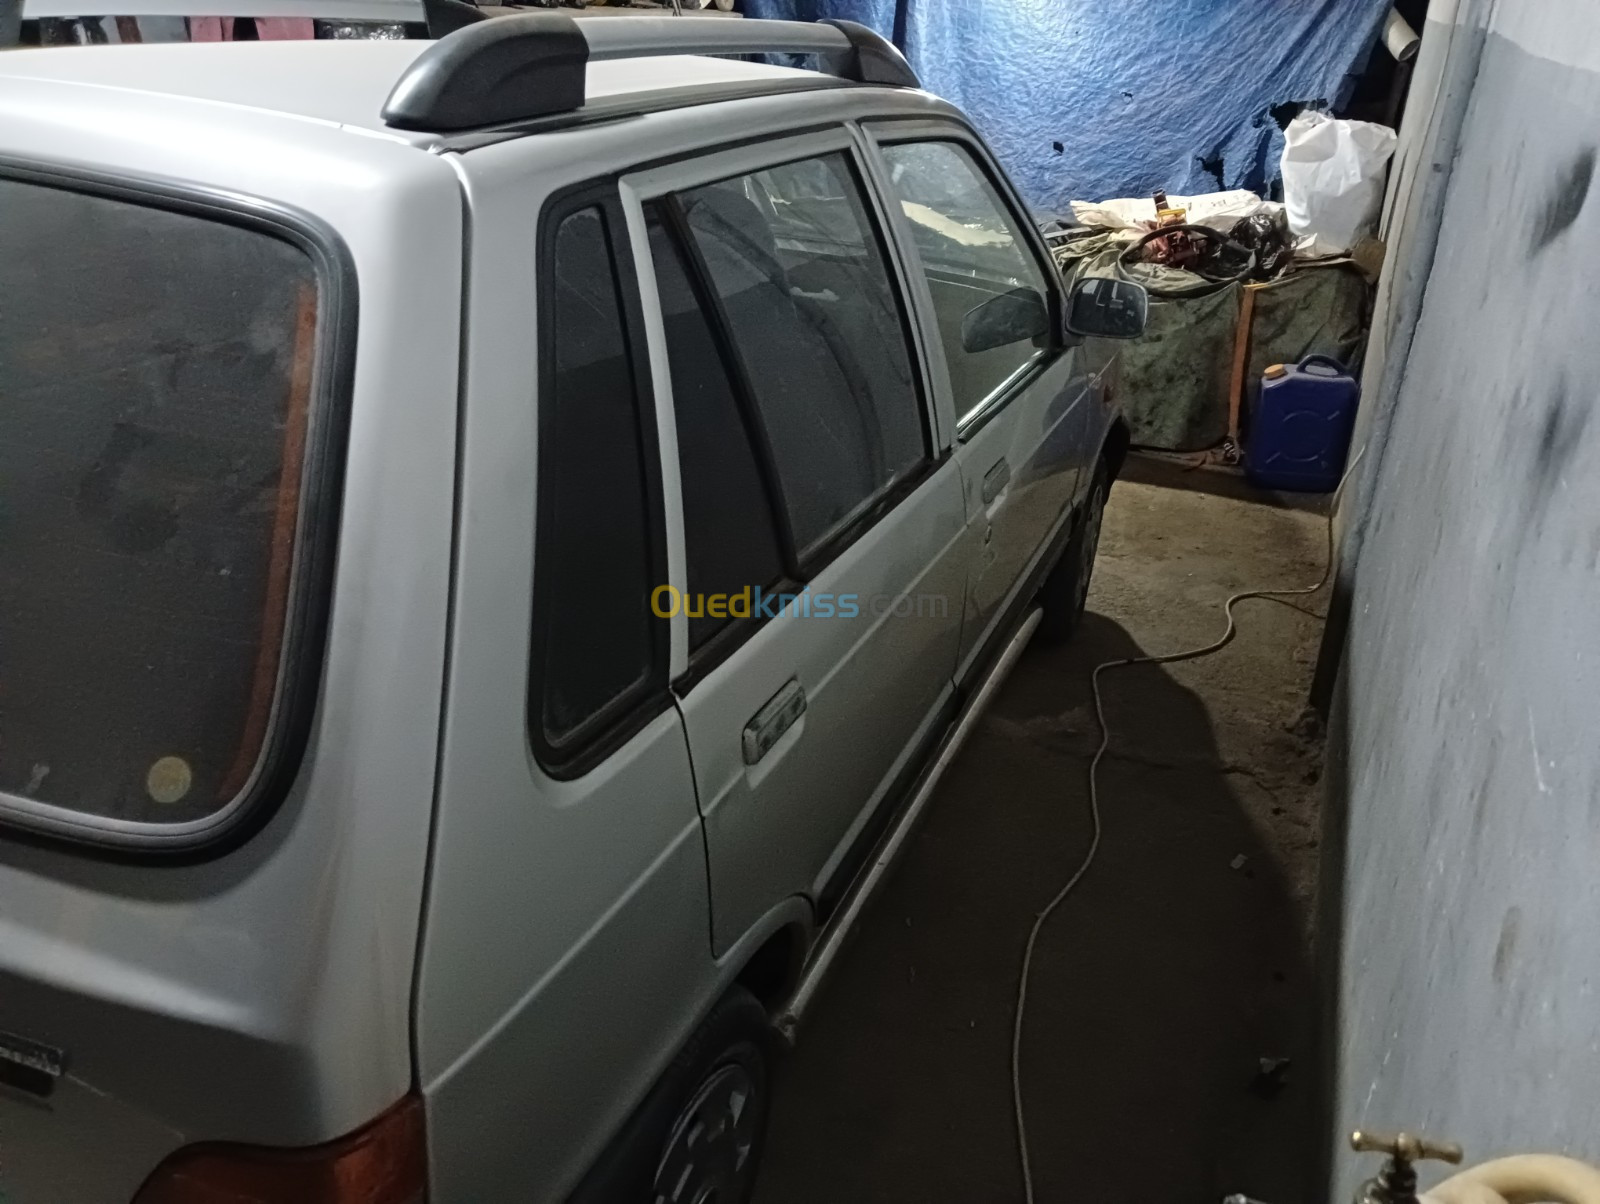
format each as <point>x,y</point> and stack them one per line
<point>996,479</point>
<point>766,728</point>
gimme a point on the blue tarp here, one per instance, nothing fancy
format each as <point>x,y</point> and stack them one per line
<point>1092,99</point>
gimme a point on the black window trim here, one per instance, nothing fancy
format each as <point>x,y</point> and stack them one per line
<point>596,738</point>
<point>963,135</point>
<point>798,571</point>
<point>307,608</point>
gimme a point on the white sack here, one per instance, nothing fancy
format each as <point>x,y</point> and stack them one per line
<point>1219,210</point>
<point>1333,173</point>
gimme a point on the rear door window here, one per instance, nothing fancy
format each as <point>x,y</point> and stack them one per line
<point>156,386</point>
<point>794,260</point>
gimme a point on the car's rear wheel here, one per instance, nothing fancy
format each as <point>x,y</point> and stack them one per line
<point>1066,589</point>
<point>697,1137</point>
<point>713,1143</point>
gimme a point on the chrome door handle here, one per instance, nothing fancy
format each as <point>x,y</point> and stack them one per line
<point>996,479</point>
<point>773,719</point>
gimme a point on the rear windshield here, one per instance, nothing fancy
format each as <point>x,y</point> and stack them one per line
<point>155,380</point>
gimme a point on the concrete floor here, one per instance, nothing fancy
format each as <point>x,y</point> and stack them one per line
<point>1162,981</point>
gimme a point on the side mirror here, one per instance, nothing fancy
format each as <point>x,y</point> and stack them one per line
<point>1107,309</point>
<point>1006,318</point>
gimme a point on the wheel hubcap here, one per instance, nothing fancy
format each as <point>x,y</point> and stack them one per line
<point>707,1158</point>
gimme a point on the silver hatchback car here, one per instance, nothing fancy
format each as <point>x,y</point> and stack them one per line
<point>501,535</point>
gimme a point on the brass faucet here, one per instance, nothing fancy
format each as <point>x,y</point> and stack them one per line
<point>1396,1181</point>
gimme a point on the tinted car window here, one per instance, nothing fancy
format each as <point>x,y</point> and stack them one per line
<point>819,331</point>
<point>156,373</point>
<point>972,249</point>
<point>594,647</point>
<point>730,537</point>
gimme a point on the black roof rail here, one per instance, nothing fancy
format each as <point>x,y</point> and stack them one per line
<point>489,71</point>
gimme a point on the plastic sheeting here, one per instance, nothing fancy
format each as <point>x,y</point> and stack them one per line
<point>1102,98</point>
<point>1174,379</point>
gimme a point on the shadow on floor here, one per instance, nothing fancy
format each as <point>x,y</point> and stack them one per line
<point>1156,987</point>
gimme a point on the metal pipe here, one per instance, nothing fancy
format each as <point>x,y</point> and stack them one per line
<point>1399,38</point>
<point>877,871</point>
<point>707,35</point>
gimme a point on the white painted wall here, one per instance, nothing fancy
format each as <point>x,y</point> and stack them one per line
<point>1465,743</point>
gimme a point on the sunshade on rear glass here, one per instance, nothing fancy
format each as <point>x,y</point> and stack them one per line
<point>156,372</point>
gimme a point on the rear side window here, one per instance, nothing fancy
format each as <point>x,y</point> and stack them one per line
<point>815,320</point>
<point>156,381</point>
<point>596,653</point>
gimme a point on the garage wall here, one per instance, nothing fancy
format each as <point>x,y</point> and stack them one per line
<point>1464,744</point>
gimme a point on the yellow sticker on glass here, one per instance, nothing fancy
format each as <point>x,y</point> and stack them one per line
<point>169,779</point>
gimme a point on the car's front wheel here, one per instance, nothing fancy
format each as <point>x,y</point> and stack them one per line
<point>1066,589</point>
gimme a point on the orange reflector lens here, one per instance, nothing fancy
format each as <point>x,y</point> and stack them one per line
<point>383,1163</point>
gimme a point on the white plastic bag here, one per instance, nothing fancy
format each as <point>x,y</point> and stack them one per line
<point>1333,173</point>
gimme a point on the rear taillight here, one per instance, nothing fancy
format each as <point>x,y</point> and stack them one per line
<point>383,1163</point>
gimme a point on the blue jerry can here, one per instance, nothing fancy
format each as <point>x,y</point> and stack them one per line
<point>1300,435</point>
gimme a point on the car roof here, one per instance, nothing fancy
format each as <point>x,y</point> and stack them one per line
<point>333,81</point>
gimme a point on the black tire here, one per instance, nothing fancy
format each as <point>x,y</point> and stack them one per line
<point>1066,589</point>
<point>697,1137</point>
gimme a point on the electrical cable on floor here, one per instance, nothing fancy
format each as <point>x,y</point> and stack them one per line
<point>1167,658</point>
